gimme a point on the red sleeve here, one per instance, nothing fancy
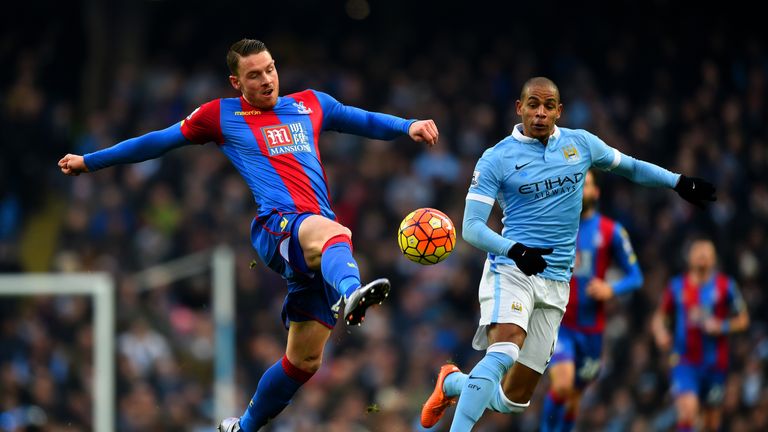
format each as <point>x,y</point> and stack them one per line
<point>204,124</point>
<point>667,302</point>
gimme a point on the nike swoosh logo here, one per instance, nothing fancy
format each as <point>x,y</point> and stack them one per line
<point>477,377</point>
<point>517,167</point>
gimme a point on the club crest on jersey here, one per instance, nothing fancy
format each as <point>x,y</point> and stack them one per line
<point>282,139</point>
<point>189,117</point>
<point>302,109</point>
<point>571,154</point>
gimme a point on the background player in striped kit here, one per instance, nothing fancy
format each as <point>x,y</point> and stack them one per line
<point>703,306</point>
<point>576,361</point>
<point>273,143</point>
<point>537,175</point>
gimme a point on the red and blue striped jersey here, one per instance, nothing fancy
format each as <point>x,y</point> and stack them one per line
<point>600,241</point>
<point>690,306</point>
<point>276,151</point>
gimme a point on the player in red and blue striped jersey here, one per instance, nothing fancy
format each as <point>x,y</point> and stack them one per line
<point>273,143</point>
<point>575,363</point>
<point>703,306</point>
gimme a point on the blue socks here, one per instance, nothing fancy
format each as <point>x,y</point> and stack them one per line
<point>553,413</point>
<point>338,267</point>
<point>569,422</point>
<point>275,390</point>
<point>481,386</point>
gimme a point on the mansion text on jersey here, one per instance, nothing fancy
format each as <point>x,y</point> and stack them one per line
<point>289,149</point>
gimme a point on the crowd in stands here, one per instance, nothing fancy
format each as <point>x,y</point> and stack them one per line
<point>692,104</point>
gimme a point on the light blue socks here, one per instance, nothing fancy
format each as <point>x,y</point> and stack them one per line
<point>481,387</point>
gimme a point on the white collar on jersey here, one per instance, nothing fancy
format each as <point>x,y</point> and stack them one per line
<point>517,133</point>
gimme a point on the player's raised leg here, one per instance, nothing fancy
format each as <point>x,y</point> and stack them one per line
<point>327,247</point>
<point>450,383</point>
<point>280,382</point>
<point>482,385</point>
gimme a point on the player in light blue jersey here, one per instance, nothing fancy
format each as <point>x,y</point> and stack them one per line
<point>536,174</point>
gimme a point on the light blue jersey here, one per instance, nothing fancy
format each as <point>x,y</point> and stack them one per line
<point>539,189</point>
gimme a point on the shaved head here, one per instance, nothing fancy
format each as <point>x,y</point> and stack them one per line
<point>539,82</point>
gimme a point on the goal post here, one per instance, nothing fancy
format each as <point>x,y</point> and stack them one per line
<point>220,261</point>
<point>100,286</point>
<point>224,390</point>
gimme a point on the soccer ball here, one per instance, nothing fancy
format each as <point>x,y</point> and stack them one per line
<point>426,236</point>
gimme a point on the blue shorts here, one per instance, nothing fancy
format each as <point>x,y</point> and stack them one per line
<point>583,349</point>
<point>276,240</point>
<point>707,384</point>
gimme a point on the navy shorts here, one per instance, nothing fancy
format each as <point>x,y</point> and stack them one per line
<point>707,384</point>
<point>583,349</point>
<point>276,240</point>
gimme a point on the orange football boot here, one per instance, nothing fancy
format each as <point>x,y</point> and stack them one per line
<point>435,406</point>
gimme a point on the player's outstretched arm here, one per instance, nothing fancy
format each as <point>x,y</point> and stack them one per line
<point>424,131</point>
<point>72,165</point>
<point>697,191</point>
<point>149,146</point>
<point>694,190</point>
<point>357,121</point>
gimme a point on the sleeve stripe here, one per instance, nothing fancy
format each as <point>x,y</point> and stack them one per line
<point>481,198</point>
<point>616,159</point>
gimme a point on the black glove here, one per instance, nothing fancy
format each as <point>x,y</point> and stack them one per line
<point>696,191</point>
<point>529,260</point>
